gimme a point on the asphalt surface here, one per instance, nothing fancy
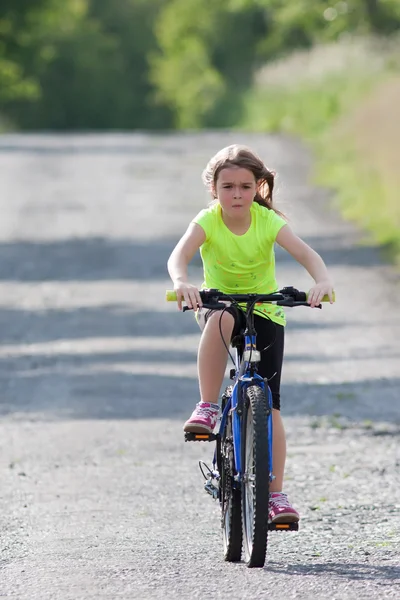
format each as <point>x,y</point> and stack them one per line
<point>100,498</point>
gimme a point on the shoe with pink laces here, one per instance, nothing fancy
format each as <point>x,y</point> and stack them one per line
<point>280,509</point>
<point>203,419</point>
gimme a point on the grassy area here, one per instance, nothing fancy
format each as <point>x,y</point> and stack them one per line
<point>344,100</point>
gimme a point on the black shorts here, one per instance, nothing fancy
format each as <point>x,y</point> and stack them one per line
<point>268,334</point>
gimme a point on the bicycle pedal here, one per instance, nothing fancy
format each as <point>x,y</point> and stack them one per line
<point>283,526</point>
<point>200,437</point>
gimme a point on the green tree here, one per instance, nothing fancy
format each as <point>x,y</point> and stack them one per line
<point>23,53</point>
<point>207,55</point>
<point>98,75</point>
<point>210,48</point>
<point>97,64</point>
<point>302,23</point>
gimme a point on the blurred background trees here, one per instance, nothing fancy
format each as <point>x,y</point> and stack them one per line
<point>78,64</point>
<point>155,64</point>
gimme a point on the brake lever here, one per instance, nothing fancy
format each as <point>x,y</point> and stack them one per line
<point>292,303</point>
<point>309,305</point>
<point>306,304</point>
<point>214,305</point>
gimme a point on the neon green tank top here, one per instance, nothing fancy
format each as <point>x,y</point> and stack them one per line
<point>242,263</point>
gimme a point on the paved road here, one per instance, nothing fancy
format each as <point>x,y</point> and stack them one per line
<point>99,496</point>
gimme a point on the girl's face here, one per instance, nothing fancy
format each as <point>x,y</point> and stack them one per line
<point>235,190</point>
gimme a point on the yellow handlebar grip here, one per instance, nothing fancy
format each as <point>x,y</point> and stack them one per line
<point>326,297</point>
<point>170,296</point>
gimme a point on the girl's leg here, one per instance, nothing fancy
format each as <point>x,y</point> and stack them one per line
<point>211,365</point>
<point>278,451</point>
<point>280,509</point>
<point>212,355</point>
<point>273,335</point>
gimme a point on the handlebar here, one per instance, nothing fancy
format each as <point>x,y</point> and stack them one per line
<point>287,296</point>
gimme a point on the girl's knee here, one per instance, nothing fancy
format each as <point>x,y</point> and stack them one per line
<point>223,320</point>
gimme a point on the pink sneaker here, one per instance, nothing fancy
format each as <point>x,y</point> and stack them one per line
<point>203,419</point>
<point>280,509</point>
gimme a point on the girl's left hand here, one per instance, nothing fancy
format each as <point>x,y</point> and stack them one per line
<point>318,291</point>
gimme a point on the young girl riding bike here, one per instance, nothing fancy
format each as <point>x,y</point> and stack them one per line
<point>236,237</point>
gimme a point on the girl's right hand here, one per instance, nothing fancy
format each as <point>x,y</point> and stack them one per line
<point>189,293</point>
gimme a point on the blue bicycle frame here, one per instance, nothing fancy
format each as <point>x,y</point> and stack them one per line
<point>243,379</point>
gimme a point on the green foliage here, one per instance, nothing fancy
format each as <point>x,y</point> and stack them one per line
<point>305,22</point>
<point>14,84</point>
<point>78,64</point>
<point>306,109</point>
<point>183,73</point>
<point>210,49</point>
<point>207,50</point>
<point>157,63</point>
<point>27,34</point>
<point>97,75</point>
<point>312,102</point>
<point>358,185</point>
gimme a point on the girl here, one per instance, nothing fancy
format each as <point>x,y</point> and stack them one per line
<point>236,237</point>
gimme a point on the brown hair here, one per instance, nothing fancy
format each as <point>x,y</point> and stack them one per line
<point>241,156</point>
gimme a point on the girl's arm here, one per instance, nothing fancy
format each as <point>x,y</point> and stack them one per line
<point>311,261</point>
<point>178,262</point>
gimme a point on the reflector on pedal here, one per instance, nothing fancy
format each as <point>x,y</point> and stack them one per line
<point>200,437</point>
<point>283,526</point>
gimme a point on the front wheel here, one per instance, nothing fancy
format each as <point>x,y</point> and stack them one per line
<point>255,480</point>
<point>230,498</point>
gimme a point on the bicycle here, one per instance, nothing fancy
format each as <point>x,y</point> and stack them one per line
<point>243,452</point>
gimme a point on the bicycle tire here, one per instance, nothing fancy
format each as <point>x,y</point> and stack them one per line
<point>255,480</point>
<point>230,499</point>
